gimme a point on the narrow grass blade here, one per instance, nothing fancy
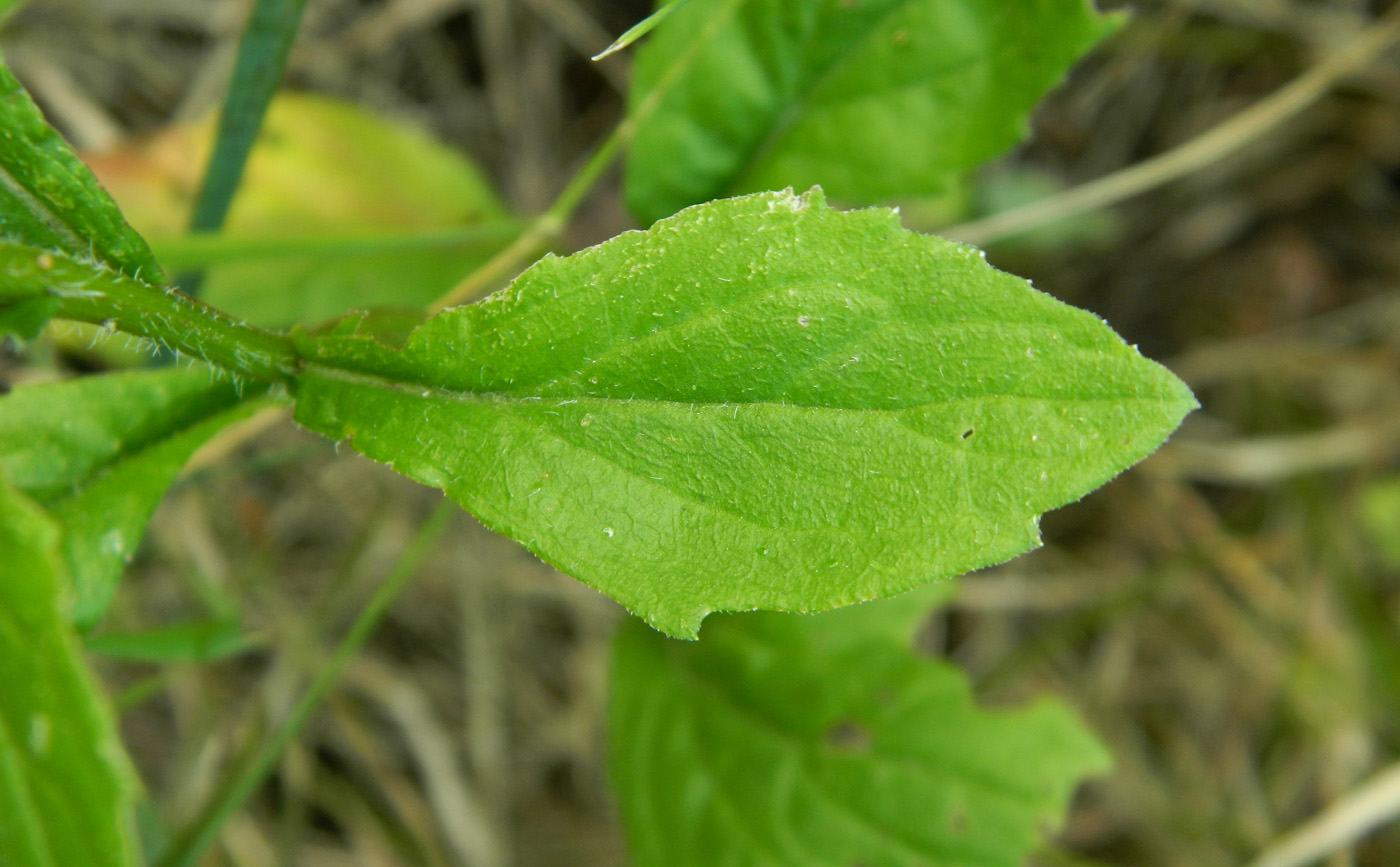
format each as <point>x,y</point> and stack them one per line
<point>65,786</point>
<point>640,29</point>
<point>49,199</point>
<point>187,849</point>
<point>262,55</point>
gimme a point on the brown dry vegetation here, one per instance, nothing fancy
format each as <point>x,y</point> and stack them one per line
<point>1226,616</point>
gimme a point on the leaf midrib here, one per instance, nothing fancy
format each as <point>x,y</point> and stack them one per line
<point>426,391</point>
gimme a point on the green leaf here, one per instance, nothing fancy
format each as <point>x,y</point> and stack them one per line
<point>759,403</point>
<point>25,318</point>
<point>49,199</point>
<point>872,100</point>
<point>65,785</point>
<point>101,451</point>
<point>812,741</point>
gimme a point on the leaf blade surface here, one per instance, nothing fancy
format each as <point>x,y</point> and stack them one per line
<point>761,402</point>
<point>782,739</point>
<point>100,453</point>
<point>871,100</point>
<point>49,198</point>
<point>65,785</point>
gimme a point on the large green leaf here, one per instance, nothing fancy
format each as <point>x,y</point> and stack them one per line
<point>49,199</point>
<point>65,786</point>
<point>871,99</point>
<point>101,451</point>
<point>810,741</point>
<point>759,403</point>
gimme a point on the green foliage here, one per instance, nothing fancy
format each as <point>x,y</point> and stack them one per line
<point>100,453</point>
<point>759,402</point>
<point>90,292</point>
<point>49,198</point>
<point>870,100</point>
<point>1380,518</point>
<point>65,785</point>
<point>195,641</point>
<point>740,409</point>
<point>788,740</point>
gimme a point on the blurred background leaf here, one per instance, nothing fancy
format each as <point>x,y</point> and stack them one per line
<point>796,740</point>
<point>331,217</point>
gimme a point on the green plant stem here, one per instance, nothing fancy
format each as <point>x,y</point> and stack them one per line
<point>544,229</point>
<point>547,226</point>
<point>200,250</point>
<point>195,840</point>
<point>177,322</point>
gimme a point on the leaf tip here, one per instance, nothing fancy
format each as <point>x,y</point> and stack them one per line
<point>680,625</point>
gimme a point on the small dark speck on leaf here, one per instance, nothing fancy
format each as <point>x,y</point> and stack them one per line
<point>967,434</point>
<point>848,735</point>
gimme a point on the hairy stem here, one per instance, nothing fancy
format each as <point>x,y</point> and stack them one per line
<point>88,292</point>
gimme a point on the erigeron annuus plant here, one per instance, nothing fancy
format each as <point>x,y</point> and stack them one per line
<point>758,402</point>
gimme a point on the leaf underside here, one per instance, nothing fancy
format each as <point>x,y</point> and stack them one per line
<point>49,200</point>
<point>99,452</point>
<point>65,786</point>
<point>759,403</point>
<point>872,100</point>
<point>743,749</point>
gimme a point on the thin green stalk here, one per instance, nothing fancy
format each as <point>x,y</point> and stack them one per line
<point>198,251</point>
<point>195,840</point>
<point>545,228</point>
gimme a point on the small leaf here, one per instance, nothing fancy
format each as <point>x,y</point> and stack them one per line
<point>872,100</point>
<point>49,199</point>
<point>101,451</point>
<point>65,785</point>
<point>759,403</point>
<point>811,741</point>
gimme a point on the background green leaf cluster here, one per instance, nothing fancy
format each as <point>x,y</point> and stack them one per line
<point>758,402</point>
